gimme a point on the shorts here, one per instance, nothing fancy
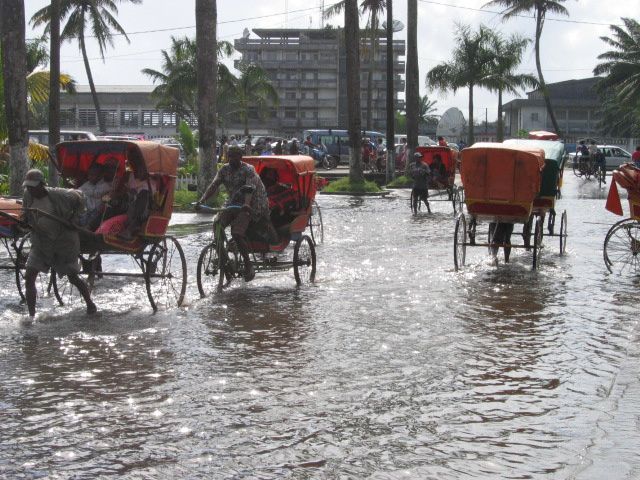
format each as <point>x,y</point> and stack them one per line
<point>64,261</point>
<point>238,219</point>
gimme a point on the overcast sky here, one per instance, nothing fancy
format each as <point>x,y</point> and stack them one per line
<point>569,46</point>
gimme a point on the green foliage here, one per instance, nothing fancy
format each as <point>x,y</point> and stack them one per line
<point>523,133</point>
<point>400,182</point>
<point>344,185</point>
<point>187,139</point>
<point>183,199</point>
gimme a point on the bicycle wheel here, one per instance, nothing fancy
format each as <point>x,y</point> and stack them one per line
<point>563,233</point>
<point>459,239</point>
<point>304,261</point>
<point>622,246</point>
<point>316,227</point>
<point>166,274</point>
<point>537,242</point>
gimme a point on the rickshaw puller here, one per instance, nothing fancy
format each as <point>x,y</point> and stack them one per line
<point>246,189</point>
<point>53,244</point>
<point>420,173</point>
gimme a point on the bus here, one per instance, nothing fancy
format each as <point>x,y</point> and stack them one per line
<point>337,141</point>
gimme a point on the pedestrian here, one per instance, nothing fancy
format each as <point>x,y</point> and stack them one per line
<point>420,172</point>
<point>224,148</point>
<point>442,142</point>
<point>635,157</point>
<point>234,141</point>
<point>277,150</point>
<point>248,149</point>
<point>54,243</point>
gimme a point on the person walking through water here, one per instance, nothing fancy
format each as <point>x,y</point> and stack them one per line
<point>54,244</point>
<point>420,172</point>
<point>246,191</point>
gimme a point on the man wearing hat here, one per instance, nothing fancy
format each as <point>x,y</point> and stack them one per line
<point>420,172</point>
<point>54,244</point>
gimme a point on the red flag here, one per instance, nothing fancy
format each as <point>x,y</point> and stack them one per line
<point>613,200</point>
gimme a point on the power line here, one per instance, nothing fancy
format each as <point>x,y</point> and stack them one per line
<point>551,19</point>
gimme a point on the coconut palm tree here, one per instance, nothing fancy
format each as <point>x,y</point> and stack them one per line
<point>82,16</point>
<point>426,111</point>
<point>468,68</point>
<point>206,75</point>
<point>540,8</point>
<point>254,90</point>
<point>373,9</point>
<point>14,75</point>
<point>54,91</point>
<point>177,80</point>
<point>501,77</point>
<point>621,65</point>
<point>352,43</point>
<point>412,75</point>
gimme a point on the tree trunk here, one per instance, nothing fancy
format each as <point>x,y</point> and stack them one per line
<point>14,65</point>
<point>352,44</point>
<point>54,89</point>
<point>471,138</point>
<point>413,79</point>
<point>500,132</point>
<point>543,85</point>
<point>373,38</point>
<point>207,61</point>
<point>391,141</point>
<point>92,86</point>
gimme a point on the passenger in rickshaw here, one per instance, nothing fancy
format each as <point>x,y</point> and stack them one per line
<point>420,173</point>
<point>282,199</point>
<point>247,191</point>
<point>439,175</point>
<point>94,189</point>
<point>54,244</point>
<point>442,142</point>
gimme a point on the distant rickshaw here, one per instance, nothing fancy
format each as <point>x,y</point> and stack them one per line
<point>441,183</point>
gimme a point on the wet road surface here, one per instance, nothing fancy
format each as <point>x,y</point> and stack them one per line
<point>391,366</point>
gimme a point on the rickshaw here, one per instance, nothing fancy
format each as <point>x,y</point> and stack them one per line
<point>447,190</point>
<point>501,183</point>
<point>550,188</point>
<point>622,242</point>
<point>158,256</point>
<point>291,202</point>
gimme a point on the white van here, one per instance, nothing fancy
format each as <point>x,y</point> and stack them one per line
<point>42,136</point>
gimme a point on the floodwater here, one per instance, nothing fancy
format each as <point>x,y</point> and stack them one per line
<point>391,366</point>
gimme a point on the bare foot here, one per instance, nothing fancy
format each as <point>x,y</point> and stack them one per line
<point>91,308</point>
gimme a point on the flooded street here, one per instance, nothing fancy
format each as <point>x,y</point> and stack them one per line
<point>391,366</point>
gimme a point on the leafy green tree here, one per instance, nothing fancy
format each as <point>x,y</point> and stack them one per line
<point>426,111</point>
<point>254,90</point>
<point>468,68</point>
<point>620,82</point>
<point>177,79</point>
<point>540,8</point>
<point>82,16</point>
<point>502,76</point>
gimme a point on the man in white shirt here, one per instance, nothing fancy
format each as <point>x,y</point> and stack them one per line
<point>94,189</point>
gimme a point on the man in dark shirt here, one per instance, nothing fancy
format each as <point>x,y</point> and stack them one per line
<point>420,173</point>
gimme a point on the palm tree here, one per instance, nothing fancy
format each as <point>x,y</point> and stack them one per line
<point>98,16</point>
<point>54,91</point>
<point>206,75</point>
<point>426,111</point>
<point>390,100</point>
<point>374,9</point>
<point>352,43</point>
<point>471,59</point>
<point>253,90</point>
<point>14,74</point>
<point>177,80</point>
<point>540,8</point>
<point>507,55</point>
<point>412,75</point>
<point>621,66</point>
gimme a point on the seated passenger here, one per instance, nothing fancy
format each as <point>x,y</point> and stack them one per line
<point>439,171</point>
<point>282,198</point>
<point>94,189</point>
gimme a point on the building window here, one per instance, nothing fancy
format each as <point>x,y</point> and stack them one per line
<point>169,119</point>
<point>534,117</point>
<point>290,95</point>
<point>128,118</point>
<point>87,117</point>
<point>150,118</point>
<point>290,113</point>
<point>67,117</point>
<point>291,56</point>
<point>109,118</point>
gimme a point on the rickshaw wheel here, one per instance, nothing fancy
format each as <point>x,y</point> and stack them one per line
<point>576,168</point>
<point>165,274</point>
<point>304,260</point>
<point>68,294</point>
<point>459,239</point>
<point>208,271</point>
<point>44,281</point>
<point>316,227</point>
<point>563,233</point>
<point>457,200</point>
<point>622,246</point>
<point>537,242</point>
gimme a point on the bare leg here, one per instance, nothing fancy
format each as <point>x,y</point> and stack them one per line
<point>30,286</point>
<point>243,248</point>
<point>82,287</point>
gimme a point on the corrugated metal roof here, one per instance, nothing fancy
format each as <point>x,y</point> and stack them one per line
<point>117,88</point>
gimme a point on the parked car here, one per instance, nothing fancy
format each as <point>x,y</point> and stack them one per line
<point>42,136</point>
<point>614,156</point>
<point>118,137</point>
